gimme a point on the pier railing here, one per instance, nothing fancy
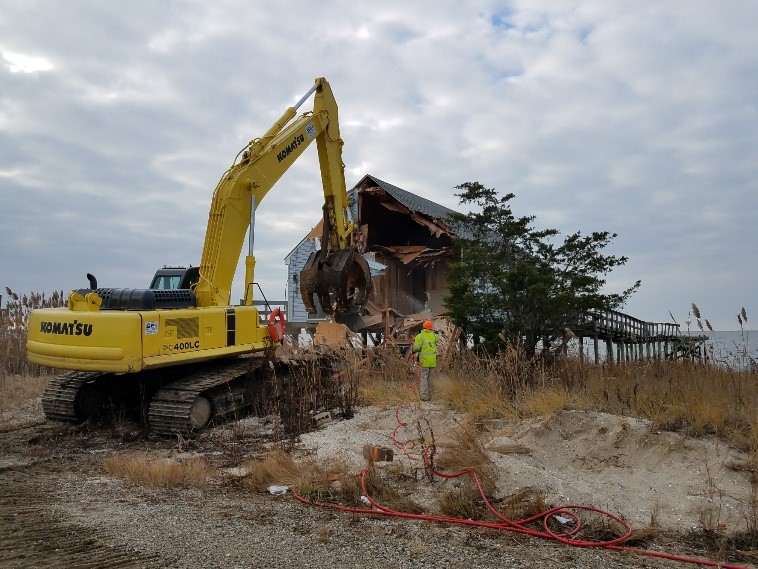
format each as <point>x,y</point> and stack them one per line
<point>628,338</point>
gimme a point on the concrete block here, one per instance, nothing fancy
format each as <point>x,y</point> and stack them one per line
<point>377,454</point>
<point>321,418</point>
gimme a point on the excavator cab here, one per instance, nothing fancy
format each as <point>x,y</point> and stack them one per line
<point>173,278</point>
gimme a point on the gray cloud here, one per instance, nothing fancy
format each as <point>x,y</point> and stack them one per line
<point>597,115</point>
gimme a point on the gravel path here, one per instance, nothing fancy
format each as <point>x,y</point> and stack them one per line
<point>237,528</point>
<point>58,508</point>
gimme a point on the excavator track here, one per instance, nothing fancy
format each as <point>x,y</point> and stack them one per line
<point>180,406</point>
<point>179,402</point>
<point>59,400</point>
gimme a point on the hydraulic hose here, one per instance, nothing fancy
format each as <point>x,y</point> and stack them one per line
<point>568,512</point>
<point>505,524</point>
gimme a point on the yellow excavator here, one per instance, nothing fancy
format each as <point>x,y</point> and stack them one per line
<point>179,348</point>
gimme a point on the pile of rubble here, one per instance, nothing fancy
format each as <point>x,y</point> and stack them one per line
<point>395,332</point>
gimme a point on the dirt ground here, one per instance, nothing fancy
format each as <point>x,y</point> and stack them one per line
<point>58,506</point>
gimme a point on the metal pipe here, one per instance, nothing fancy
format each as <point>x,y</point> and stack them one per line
<point>251,234</point>
<point>305,97</point>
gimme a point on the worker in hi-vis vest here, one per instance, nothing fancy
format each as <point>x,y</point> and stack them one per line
<point>425,345</point>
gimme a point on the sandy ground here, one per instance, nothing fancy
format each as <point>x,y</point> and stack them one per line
<point>58,506</point>
<point>619,464</point>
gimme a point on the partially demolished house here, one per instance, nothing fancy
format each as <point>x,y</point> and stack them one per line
<point>406,242</point>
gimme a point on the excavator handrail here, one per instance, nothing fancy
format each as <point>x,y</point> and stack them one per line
<point>258,286</point>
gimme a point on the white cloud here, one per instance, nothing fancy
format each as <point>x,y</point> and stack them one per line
<point>21,63</point>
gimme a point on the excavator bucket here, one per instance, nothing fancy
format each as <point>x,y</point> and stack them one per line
<point>341,280</point>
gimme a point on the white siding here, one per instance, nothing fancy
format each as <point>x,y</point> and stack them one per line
<point>296,261</point>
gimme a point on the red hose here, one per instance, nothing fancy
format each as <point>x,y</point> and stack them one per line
<point>516,526</point>
<point>519,526</point>
<point>409,444</point>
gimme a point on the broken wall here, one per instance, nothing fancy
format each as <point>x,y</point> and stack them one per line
<point>404,238</point>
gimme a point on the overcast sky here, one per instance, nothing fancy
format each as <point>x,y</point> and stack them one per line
<point>117,120</point>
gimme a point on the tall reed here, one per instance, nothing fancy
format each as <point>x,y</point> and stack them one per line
<point>13,326</point>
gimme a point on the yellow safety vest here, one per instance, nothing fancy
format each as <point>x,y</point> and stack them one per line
<point>425,345</point>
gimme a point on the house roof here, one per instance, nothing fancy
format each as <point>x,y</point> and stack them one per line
<point>411,201</point>
<point>416,204</point>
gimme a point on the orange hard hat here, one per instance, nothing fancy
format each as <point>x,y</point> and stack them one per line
<point>428,324</point>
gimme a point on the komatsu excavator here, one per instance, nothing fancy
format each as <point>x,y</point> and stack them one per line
<point>180,346</point>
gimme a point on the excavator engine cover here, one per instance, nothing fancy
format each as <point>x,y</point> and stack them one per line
<point>145,299</point>
<point>341,280</point>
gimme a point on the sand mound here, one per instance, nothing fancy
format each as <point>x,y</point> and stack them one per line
<point>619,464</point>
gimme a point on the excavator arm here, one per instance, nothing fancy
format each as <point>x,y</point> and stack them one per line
<point>242,188</point>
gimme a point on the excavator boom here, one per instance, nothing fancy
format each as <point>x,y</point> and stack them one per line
<point>255,171</point>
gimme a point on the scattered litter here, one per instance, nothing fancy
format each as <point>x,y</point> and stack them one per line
<point>562,519</point>
<point>365,500</point>
<point>277,490</point>
<point>320,419</point>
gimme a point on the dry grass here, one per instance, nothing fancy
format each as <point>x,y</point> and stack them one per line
<point>478,398</point>
<point>691,398</point>
<point>523,504</point>
<point>387,379</point>
<point>13,321</point>
<point>276,467</point>
<point>313,480</point>
<point>466,450</point>
<point>464,501</point>
<point>333,483</point>
<point>384,393</point>
<point>140,469</point>
<point>18,389</point>
<point>466,453</point>
<point>694,399</point>
<point>595,528</point>
<point>386,489</point>
<point>542,401</point>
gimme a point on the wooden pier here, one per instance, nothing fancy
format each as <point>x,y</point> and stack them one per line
<point>627,338</point>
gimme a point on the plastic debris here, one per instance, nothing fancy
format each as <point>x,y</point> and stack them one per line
<point>278,490</point>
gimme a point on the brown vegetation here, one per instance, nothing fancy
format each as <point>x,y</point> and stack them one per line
<point>141,469</point>
<point>276,467</point>
<point>20,380</point>
<point>13,319</point>
<point>695,399</point>
<point>18,389</point>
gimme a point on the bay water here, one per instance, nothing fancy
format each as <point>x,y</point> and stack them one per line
<point>735,349</point>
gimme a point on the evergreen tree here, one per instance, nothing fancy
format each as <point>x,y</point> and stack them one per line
<point>508,280</point>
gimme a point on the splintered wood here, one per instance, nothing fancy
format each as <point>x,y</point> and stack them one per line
<point>336,335</point>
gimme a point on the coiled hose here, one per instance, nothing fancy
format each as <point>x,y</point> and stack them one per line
<point>542,519</point>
